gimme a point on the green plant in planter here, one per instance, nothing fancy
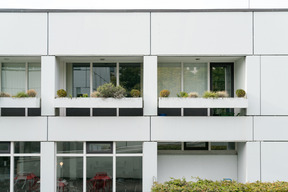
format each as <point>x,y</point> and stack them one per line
<point>3,94</point>
<point>222,94</point>
<point>31,93</point>
<point>210,94</point>
<point>193,94</point>
<point>61,93</point>
<point>164,93</point>
<point>240,93</point>
<point>109,90</point>
<point>135,93</point>
<point>21,94</point>
<point>182,94</point>
<point>95,94</point>
<point>84,95</point>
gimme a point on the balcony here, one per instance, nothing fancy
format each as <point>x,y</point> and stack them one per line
<point>27,102</point>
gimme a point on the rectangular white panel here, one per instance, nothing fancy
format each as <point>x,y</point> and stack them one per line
<point>23,128</point>
<point>149,164</point>
<point>211,33</point>
<point>271,128</point>
<point>270,33</point>
<point>99,33</point>
<point>99,129</point>
<point>273,85</point>
<point>268,4</point>
<point>214,167</point>
<point>201,128</point>
<point>23,34</point>
<point>47,165</point>
<point>253,84</point>
<point>274,158</point>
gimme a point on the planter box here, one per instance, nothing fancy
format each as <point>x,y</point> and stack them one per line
<point>98,103</point>
<point>24,102</point>
<point>175,102</point>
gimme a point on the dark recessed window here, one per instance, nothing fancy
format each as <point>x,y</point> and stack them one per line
<point>99,147</point>
<point>196,146</point>
<point>4,147</point>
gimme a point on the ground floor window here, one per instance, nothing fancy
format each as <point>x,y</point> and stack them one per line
<point>99,166</point>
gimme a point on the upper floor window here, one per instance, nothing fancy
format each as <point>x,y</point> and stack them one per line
<point>20,77</point>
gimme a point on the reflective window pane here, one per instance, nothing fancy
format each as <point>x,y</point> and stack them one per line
<point>69,174</point>
<point>130,76</point>
<point>103,73</point>
<point>196,146</point>
<point>129,147</point>
<point>169,77</point>
<point>222,146</point>
<point>100,147</point>
<point>169,145</point>
<point>99,174</point>
<point>26,174</point>
<point>129,174</point>
<point>195,77</point>
<point>4,174</point>
<point>35,77</point>
<point>69,147</point>
<point>4,147</point>
<point>27,147</point>
<point>13,78</point>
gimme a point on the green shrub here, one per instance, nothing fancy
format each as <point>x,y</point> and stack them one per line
<point>210,94</point>
<point>240,93</point>
<point>31,93</point>
<point>95,94</point>
<point>109,90</point>
<point>3,94</point>
<point>61,93</point>
<point>182,94</point>
<point>84,95</point>
<point>135,93</point>
<point>164,93</point>
<point>203,185</point>
<point>21,94</point>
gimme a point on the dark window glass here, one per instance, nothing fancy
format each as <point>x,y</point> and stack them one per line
<point>4,174</point>
<point>130,112</point>
<point>27,147</point>
<point>169,146</point>
<point>129,147</point>
<point>81,79</point>
<point>169,111</point>
<point>69,147</point>
<point>104,112</point>
<point>196,146</point>
<point>222,146</point>
<point>12,111</point>
<point>77,111</point>
<point>100,147</point>
<point>130,76</point>
<point>195,112</point>
<point>34,112</point>
<point>103,73</point>
<point>4,147</point>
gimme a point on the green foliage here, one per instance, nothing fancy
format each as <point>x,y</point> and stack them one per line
<point>21,94</point>
<point>135,93</point>
<point>31,93</point>
<point>109,90</point>
<point>164,93</point>
<point>182,94</point>
<point>3,94</point>
<point>210,94</point>
<point>84,95</point>
<point>61,93</point>
<point>240,93</point>
<point>95,94</point>
<point>204,185</point>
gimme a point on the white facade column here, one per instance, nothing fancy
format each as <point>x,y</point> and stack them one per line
<point>150,85</point>
<point>48,83</point>
<point>149,164</point>
<point>253,72</point>
<point>47,168</point>
<point>249,162</point>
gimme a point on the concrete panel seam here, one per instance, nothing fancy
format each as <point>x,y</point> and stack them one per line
<point>47,128</point>
<point>47,33</point>
<point>253,32</point>
<point>261,161</point>
<point>260,84</point>
<point>150,33</point>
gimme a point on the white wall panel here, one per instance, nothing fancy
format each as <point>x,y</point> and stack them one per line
<point>270,33</point>
<point>201,33</point>
<point>23,128</point>
<point>48,162</point>
<point>201,128</point>
<point>271,128</point>
<point>98,129</point>
<point>99,33</point>
<point>214,167</point>
<point>274,79</point>
<point>268,4</point>
<point>23,34</point>
<point>149,164</point>
<point>274,158</point>
<point>253,71</point>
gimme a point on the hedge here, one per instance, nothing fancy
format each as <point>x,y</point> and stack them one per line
<point>203,185</point>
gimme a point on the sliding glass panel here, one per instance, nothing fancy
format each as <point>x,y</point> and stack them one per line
<point>69,174</point>
<point>129,174</point>
<point>103,73</point>
<point>195,78</point>
<point>99,174</point>
<point>13,78</point>
<point>80,79</point>
<point>222,77</point>
<point>4,174</point>
<point>130,76</point>
<point>35,77</point>
<point>26,174</point>
<point>169,77</point>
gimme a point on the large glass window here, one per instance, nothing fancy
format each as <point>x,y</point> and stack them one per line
<point>103,73</point>
<point>34,77</point>
<point>130,76</point>
<point>4,174</point>
<point>27,147</point>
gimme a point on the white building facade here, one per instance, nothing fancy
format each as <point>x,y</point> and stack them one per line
<point>67,144</point>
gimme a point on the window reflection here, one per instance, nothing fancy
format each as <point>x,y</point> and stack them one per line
<point>4,174</point>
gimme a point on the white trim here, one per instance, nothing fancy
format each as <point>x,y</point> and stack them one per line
<point>84,167</point>
<point>27,154</point>
<point>114,167</point>
<point>12,166</point>
<point>24,102</point>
